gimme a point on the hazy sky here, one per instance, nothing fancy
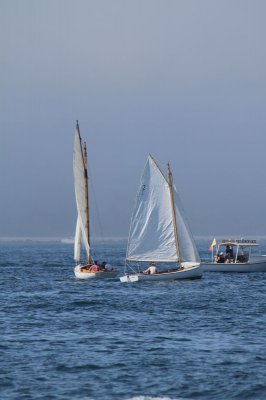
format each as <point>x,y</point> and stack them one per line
<point>182,79</point>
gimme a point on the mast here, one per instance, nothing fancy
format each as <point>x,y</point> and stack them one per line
<point>170,182</point>
<point>84,148</point>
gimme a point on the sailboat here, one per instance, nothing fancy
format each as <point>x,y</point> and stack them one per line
<point>82,234</point>
<point>159,232</point>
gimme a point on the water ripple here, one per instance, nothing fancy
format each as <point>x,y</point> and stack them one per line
<point>87,340</point>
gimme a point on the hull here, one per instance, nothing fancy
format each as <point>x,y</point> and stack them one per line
<point>259,266</point>
<point>93,275</point>
<point>188,271</point>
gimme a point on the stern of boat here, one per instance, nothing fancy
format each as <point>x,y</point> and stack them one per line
<point>81,274</point>
<point>192,269</point>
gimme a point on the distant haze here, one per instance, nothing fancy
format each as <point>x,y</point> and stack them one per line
<point>183,80</point>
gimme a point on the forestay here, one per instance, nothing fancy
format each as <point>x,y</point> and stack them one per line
<point>151,236</point>
<point>80,194</point>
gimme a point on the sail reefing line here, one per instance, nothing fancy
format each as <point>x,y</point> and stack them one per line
<point>81,194</point>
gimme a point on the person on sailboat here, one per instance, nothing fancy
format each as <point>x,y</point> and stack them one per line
<point>107,266</point>
<point>101,266</point>
<point>94,267</point>
<point>152,269</point>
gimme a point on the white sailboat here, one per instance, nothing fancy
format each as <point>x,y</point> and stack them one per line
<point>82,201</point>
<point>159,232</point>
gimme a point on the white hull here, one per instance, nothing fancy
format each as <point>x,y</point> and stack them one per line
<point>189,271</point>
<point>93,275</point>
<point>259,266</point>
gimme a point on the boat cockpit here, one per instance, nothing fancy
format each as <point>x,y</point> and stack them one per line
<point>236,251</point>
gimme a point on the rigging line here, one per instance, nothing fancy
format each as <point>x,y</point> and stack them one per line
<point>95,203</point>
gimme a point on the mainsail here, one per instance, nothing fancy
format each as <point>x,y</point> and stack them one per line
<point>81,194</point>
<point>77,242</point>
<point>153,235</point>
<point>188,249</point>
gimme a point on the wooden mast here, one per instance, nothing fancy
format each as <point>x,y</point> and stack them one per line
<point>87,199</point>
<point>170,182</point>
<point>84,148</point>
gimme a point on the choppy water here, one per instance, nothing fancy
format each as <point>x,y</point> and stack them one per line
<point>67,339</point>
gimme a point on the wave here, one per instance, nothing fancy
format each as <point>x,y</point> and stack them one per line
<point>156,398</point>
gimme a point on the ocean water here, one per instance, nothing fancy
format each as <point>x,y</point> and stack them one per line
<point>67,339</point>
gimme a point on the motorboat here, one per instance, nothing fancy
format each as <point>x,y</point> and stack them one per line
<point>236,255</point>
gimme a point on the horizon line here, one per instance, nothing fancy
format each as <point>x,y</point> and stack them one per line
<point>70,240</point>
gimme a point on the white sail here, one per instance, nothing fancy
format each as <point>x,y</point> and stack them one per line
<point>77,242</point>
<point>80,189</point>
<point>187,245</point>
<point>152,236</point>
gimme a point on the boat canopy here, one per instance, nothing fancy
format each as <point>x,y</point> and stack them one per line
<point>239,242</point>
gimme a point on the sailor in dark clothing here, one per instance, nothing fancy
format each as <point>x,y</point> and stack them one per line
<point>229,255</point>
